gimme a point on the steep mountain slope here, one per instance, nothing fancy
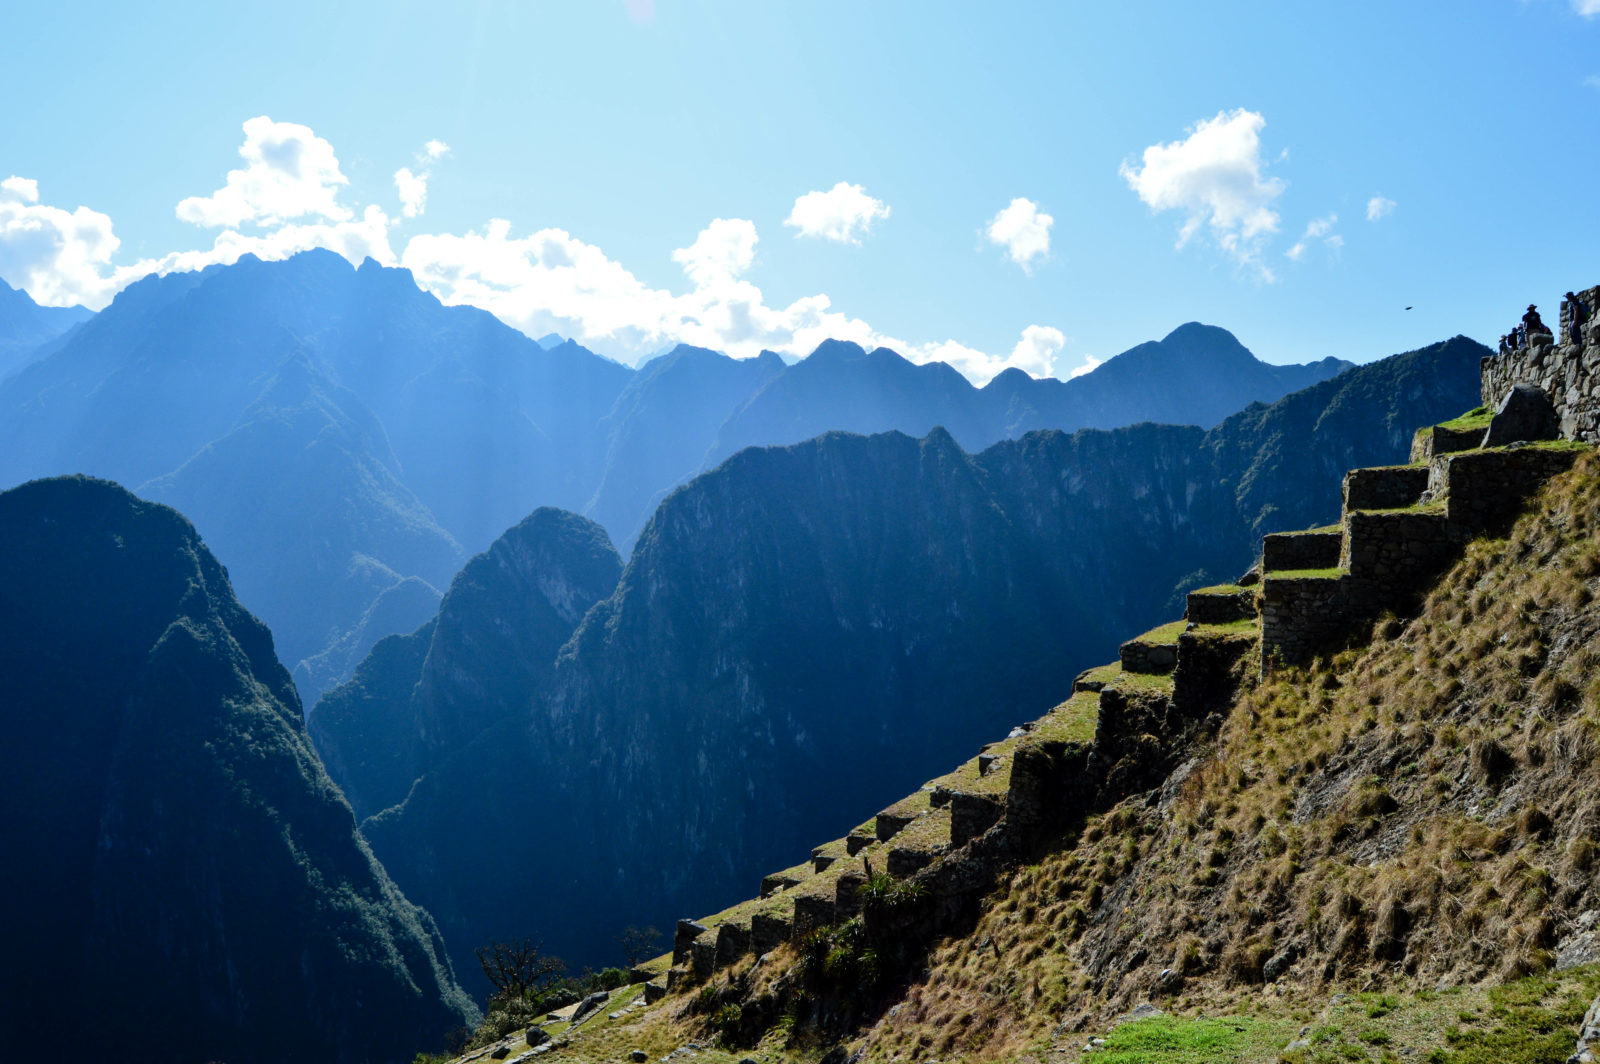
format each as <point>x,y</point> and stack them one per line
<point>662,426</point>
<point>25,327</point>
<point>403,430</point>
<point>309,448</point>
<point>168,824</point>
<point>1197,375</point>
<point>813,630</point>
<point>420,698</point>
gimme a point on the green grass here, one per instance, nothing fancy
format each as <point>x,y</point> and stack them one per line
<point>1176,1040</point>
<point>1227,630</point>
<point>1167,633</point>
<point>1307,574</point>
<point>1320,530</point>
<point>1221,589</point>
<point>1143,683</point>
<point>1103,673</point>
<point>1072,721</point>
<point>1476,418</point>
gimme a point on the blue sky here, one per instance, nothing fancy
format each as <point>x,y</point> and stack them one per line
<point>644,159</point>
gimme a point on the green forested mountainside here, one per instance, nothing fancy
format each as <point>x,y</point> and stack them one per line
<point>419,699</point>
<point>344,441</point>
<point>808,632</point>
<point>171,838</point>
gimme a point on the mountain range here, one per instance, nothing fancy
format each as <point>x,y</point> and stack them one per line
<point>345,442</point>
<point>807,631</point>
<point>26,328</point>
<point>184,882</point>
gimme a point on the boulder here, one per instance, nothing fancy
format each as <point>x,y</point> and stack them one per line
<point>536,1036</point>
<point>1526,413</point>
<point>590,1005</point>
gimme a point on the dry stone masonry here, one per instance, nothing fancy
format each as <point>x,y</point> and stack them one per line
<point>1567,371</point>
<point>1402,525</point>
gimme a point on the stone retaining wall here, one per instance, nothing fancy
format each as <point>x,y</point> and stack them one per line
<point>1301,616</point>
<point>1485,490</point>
<point>1220,607</point>
<point>1569,372</point>
<point>1399,550</point>
<point>1300,550</point>
<point>1384,487</point>
<point>1149,658</point>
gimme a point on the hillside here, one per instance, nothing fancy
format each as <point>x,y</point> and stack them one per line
<point>1205,856</point>
<point>168,827</point>
<point>26,327</point>
<point>855,610</point>
<point>345,442</point>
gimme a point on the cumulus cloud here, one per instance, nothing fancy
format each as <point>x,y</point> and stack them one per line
<point>1317,229</point>
<point>61,257</point>
<point>1379,207</point>
<point>412,185</point>
<point>1215,177</point>
<point>1586,8</point>
<point>1023,230</point>
<point>544,281</point>
<point>724,250</point>
<point>289,173</point>
<point>1090,364</point>
<point>843,214</point>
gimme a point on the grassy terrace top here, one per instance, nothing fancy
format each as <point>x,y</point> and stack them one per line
<point>1249,626</point>
<point>1222,589</point>
<point>1166,633</point>
<point>1322,530</point>
<point>1306,574</point>
<point>1476,418</point>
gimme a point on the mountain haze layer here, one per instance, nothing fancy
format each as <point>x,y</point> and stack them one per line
<point>169,827</point>
<point>26,327</point>
<point>807,631</point>
<point>344,441</point>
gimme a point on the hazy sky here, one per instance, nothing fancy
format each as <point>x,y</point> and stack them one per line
<point>1038,185</point>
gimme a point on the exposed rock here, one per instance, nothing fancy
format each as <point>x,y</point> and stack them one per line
<point>589,1006</point>
<point>1526,413</point>
<point>536,1036</point>
<point>1588,1050</point>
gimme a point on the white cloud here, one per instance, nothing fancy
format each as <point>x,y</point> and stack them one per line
<point>289,173</point>
<point>1317,229</point>
<point>413,190</point>
<point>1023,230</point>
<point>1586,8</point>
<point>843,214</point>
<point>1090,364</point>
<point>1379,207</point>
<point>724,249</point>
<point>19,189</point>
<point>545,281</point>
<point>61,257</point>
<point>412,185</point>
<point>1214,176</point>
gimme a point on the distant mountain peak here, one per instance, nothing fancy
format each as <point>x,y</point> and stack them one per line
<point>551,339</point>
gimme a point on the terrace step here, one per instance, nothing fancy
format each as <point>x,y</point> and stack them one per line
<point>1317,548</point>
<point>1384,487</point>
<point>1220,605</point>
<point>1153,654</point>
<point>1402,548</point>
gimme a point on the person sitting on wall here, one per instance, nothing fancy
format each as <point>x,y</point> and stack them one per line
<point>1579,312</point>
<point>1532,324</point>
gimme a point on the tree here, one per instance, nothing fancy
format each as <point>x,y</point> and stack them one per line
<point>515,968</point>
<point>638,943</point>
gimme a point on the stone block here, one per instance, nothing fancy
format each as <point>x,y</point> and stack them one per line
<point>971,815</point>
<point>1282,551</point>
<point>1384,487</point>
<point>733,942</point>
<point>703,955</point>
<point>891,824</point>
<point>654,991</point>
<point>1525,414</point>
<point>683,938</point>
<point>1220,607</point>
<point>854,844</point>
<point>1148,658</point>
<point>902,862</point>
<point>811,913</point>
<point>768,931</point>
